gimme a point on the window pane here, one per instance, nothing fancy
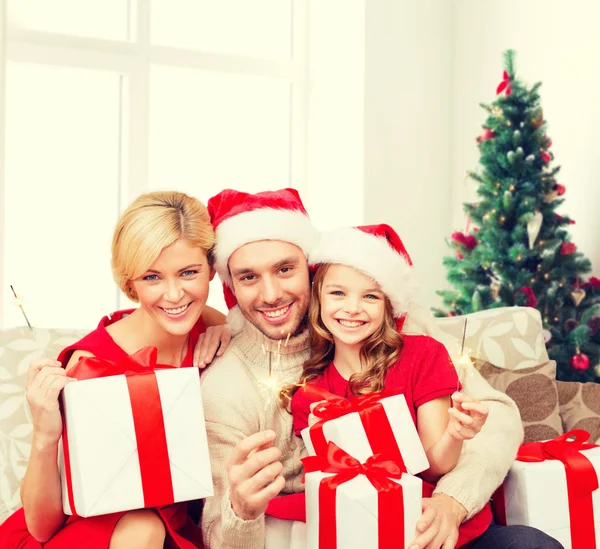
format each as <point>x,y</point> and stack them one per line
<point>257,28</point>
<point>90,18</point>
<point>62,188</point>
<point>212,131</point>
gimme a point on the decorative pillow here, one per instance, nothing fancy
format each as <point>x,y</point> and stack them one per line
<point>508,337</point>
<point>17,350</point>
<point>534,391</point>
<point>580,407</point>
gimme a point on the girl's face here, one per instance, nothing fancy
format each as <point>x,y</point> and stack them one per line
<point>352,305</point>
<point>174,289</point>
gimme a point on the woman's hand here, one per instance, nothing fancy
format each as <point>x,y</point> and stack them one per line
<point>211,343</point>
<point>467,417</point>
<point>45,380</point>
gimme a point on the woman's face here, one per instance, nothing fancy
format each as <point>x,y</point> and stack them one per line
<point>352,305</point>
<point>173,291</point>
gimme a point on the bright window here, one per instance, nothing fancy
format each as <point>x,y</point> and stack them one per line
<point>109,99</point>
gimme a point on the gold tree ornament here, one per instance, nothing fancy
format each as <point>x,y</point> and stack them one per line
<point>534,225</point>
<point>577,295</point>
<point>538,119</point>
<point>495,287</point>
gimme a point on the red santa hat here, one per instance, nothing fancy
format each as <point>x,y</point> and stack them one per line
<point>240,218</point>
<point>378,252</point>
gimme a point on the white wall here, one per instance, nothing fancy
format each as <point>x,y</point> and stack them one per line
<point>379,123</point>
<point>557,43</point>
<point>407,130</point>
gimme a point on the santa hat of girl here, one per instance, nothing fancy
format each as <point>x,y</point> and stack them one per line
<point>378,252</point>
<point>239,218</point>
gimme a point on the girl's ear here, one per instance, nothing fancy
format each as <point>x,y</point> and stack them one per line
<point>212,274</point>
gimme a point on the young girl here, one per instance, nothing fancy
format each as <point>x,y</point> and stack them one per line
<point>159,259</point>
<point>361,290</point>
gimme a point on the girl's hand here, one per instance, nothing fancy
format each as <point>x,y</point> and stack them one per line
<point>45,380</point>
<point>211,343</point>
<point>467,417</point>
<point>312,419</point>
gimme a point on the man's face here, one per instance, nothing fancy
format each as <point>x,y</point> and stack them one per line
<point>271,285</point>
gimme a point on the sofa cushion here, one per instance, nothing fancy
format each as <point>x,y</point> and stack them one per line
<point>580,406</point>
<point>534,391</point>
<point>17,350</point>
<point>508,337</point>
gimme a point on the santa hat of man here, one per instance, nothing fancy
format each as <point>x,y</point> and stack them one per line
<point>378,252</point>
<point>239,218</point>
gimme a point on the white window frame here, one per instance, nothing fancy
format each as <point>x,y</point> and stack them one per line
<point>133,60</point>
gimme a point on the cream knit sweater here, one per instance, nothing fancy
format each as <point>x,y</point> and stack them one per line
<point>237,403</point>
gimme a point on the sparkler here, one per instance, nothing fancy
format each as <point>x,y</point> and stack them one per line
<point>19,303</point>
<point>272,384</point>
<point>464,360</point>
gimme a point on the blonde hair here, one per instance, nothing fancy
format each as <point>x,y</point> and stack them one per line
<point>150,224</point>
<point>378,352</point>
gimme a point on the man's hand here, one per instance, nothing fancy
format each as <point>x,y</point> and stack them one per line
<point>254,472</point>
<point>438,526</point>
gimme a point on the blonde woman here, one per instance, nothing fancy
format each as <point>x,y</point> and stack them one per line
<point>160,259</point>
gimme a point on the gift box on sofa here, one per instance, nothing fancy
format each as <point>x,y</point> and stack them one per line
<point>133,440</point>
<point>553,486</point>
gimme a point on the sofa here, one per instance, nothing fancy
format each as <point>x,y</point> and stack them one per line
<point>506,345</point>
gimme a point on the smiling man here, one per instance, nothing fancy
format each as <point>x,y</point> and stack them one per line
<point>262,244</point>
<point>260,255</point>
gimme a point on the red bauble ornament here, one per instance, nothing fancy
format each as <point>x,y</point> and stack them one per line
<point>547,141</point>
<point>531,299</point>
<point>568,248</point>
<point>487,134</point>
<point>469,242</point>
<point>580,361</point>
<point>559,217</point>
<point>593,282</point>
<point>545,156</point>
<point>560,189</point>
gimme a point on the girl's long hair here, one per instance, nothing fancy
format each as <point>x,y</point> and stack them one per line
<point>377,354</point>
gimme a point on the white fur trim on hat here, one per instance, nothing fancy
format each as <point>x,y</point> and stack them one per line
<point>235,320</point>
<point>261,224</point>
<point>373,256</point>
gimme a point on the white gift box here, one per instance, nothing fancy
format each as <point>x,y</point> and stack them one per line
<point>103,454</point>
<point>356,511</point>
<point>349,434</point>
<point>535,494</point>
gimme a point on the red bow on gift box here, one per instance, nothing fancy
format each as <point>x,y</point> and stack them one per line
<point>148,420</point>
<point>379,470</point>
<point>504,85</point>
<point>372,415</point>
<point>582,480</point>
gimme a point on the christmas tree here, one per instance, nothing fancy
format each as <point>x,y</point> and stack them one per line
<point>518,251</point>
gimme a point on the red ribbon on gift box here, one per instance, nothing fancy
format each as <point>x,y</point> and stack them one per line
<point>582,480</point>
<point>379,470</point>
<point>372,415</point>
<point>146,407</point>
